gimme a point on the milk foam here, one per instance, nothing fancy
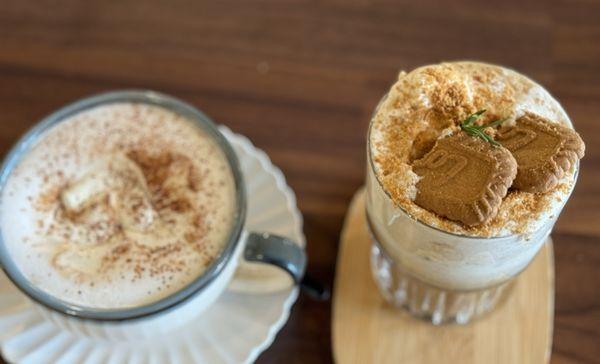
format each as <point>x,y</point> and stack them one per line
<point>529,96</point>
<point>118,206</point>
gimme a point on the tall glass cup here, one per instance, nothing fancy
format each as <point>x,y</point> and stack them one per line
<point>438,275</point>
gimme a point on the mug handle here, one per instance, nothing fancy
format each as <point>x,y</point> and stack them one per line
<point>283,253</point>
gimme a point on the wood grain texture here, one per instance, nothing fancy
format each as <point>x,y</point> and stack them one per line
<point>301,79</point>
<point>368,330</point>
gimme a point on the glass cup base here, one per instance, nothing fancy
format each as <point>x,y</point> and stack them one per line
<point>428,302</point>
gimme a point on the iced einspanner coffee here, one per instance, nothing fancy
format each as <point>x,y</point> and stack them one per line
<point>469,166</point>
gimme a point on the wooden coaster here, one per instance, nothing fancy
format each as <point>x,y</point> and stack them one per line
<point>368,330</point>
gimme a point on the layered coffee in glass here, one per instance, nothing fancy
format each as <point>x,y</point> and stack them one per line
<point>469,166</point>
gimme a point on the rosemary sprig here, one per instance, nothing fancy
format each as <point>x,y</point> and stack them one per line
<point>468,125</point>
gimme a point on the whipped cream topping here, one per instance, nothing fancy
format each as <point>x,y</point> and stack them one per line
<point>433,100</point>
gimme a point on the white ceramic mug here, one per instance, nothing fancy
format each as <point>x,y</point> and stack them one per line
<point>184,305</point>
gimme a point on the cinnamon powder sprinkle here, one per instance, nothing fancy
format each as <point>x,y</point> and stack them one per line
<point>173,185</point>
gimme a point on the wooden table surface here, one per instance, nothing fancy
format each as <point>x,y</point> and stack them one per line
<point>301,78</point>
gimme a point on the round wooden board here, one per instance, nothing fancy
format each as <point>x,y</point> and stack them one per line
<point>367,330</point>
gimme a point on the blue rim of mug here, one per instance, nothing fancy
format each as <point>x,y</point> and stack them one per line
<point>147,97</point>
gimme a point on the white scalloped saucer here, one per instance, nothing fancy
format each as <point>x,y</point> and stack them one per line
<point>236,329</point>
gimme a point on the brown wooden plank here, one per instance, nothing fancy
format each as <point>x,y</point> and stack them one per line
<point>300,78</point>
